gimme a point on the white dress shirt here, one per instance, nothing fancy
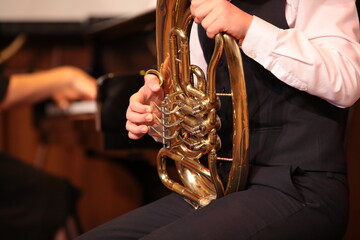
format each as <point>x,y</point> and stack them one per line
<point>319,54</point>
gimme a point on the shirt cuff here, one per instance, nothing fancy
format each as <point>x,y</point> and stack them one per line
<point>260,40</point>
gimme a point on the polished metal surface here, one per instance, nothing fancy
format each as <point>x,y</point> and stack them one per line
<point>189,121</point>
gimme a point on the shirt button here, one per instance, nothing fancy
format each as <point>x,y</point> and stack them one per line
<point>253,54</point>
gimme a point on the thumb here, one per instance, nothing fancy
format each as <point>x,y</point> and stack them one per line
<point>63,103</point>
<point>86,89</point>
<point>152,82</point>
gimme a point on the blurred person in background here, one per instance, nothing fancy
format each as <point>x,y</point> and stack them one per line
<point>35,205</point>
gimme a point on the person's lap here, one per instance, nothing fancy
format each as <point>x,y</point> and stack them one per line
<point>257,213</point>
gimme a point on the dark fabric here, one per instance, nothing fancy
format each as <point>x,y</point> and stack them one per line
<point>4,84</point>
<point>288,127</point>
<point>259,212</point>
<point>33,204</point>
<point>293,190</point>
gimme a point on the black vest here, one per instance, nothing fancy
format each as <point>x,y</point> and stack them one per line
<point>288,127</point>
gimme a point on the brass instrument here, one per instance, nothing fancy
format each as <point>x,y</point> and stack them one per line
<point>189,122</point>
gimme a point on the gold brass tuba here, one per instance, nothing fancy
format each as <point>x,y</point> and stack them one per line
<point>189,123</point>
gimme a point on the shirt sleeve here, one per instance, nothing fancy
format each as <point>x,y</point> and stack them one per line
<point>319,54</point>
<point>4,84</point>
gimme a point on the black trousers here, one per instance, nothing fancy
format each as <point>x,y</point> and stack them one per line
<point>260,212</point>
<point>33,204</point>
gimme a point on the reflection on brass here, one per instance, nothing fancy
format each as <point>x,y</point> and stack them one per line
<point>189,122</point>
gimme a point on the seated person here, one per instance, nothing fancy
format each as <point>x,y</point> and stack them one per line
<point>33,204</point>
<point>302,72</point>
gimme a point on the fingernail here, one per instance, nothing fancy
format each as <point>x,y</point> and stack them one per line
<point>149,117</point>
<point>144,129</point>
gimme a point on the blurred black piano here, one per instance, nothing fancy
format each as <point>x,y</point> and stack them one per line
<point>99,125</point>
<point>121,47</point>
